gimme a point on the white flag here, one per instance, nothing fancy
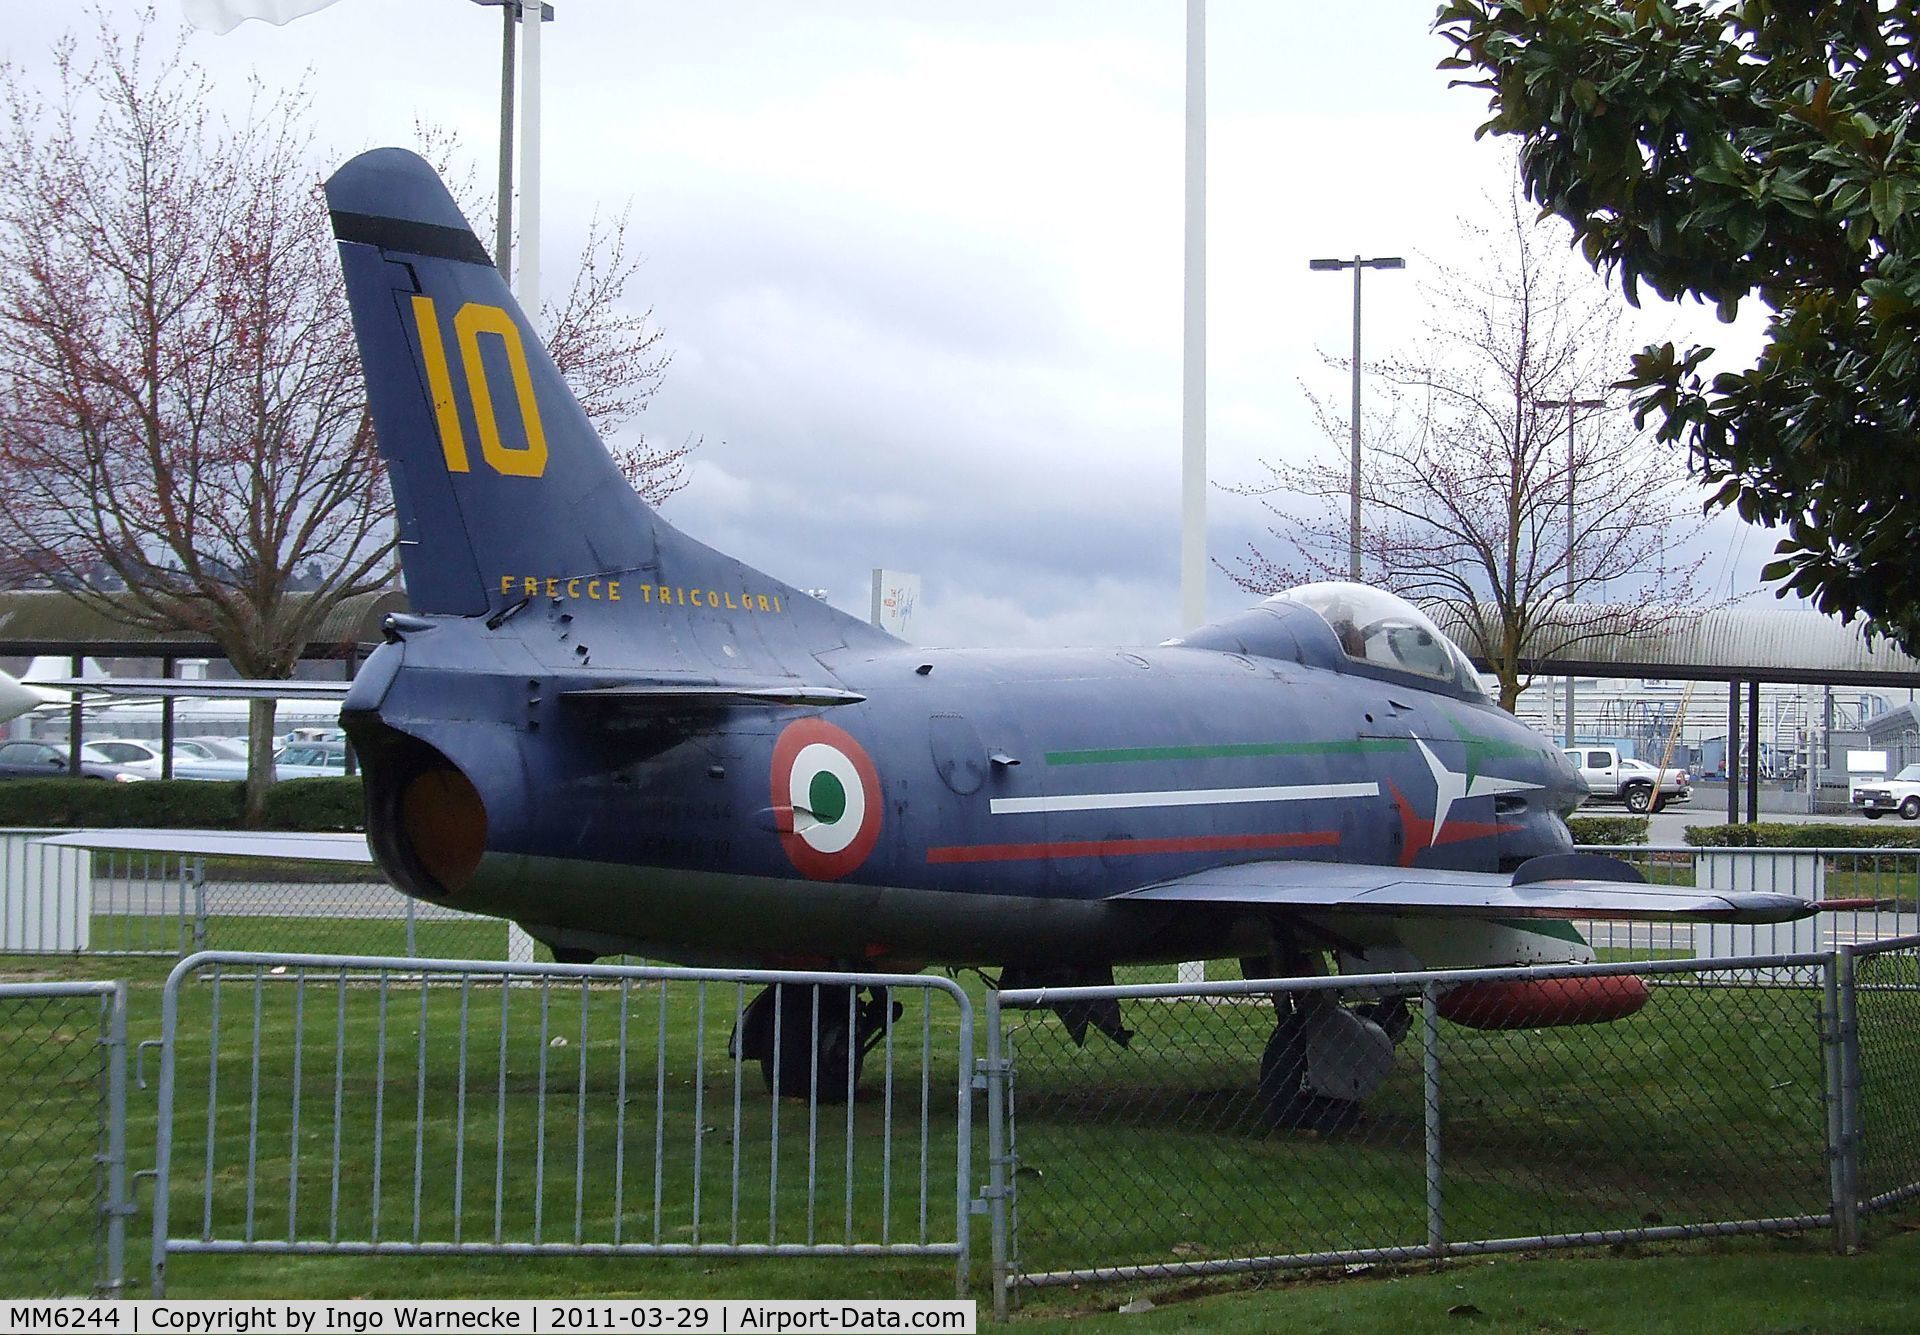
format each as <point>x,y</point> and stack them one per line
<point>223,16</point>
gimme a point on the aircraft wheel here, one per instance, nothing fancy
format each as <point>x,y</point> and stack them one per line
<point>1910,809</point>
<point>830,1056</point>
<point>1638,798</point>
<point>1283,1068</point>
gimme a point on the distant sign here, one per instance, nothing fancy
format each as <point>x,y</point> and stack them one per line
<point>895,595</point>
<point>1866,762</point>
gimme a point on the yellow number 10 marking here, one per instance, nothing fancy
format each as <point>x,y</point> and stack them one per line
<point>469,323</point>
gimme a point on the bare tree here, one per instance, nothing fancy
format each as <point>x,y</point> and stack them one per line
<point>181,400</point>
<point>612,356</point>
<point>1467,467</point>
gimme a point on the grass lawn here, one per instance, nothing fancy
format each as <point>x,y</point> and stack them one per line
<point>1709,1104</point>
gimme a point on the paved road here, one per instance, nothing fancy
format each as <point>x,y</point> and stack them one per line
<point>263,899</point>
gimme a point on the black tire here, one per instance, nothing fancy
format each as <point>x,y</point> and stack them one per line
<point>1638,797</point>
<point>1873,815</point>
<point>1283,1066</point>
<point>1910,808</point>
<point>794,1059</point>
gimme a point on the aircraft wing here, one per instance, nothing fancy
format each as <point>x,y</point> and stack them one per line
<point>340,848</point>
<point>200,690</point>
<point>1356,888</point>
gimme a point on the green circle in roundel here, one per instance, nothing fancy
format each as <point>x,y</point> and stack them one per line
<point>826,797</point>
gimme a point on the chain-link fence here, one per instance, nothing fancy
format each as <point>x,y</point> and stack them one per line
<point>315,1105</point>
<point>1271,1124</point>
<point>1883,1082</point>
<point>63,1138</point>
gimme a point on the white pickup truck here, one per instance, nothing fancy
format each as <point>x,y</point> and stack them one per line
<point>1874,798</point>
<point>1612,777</point>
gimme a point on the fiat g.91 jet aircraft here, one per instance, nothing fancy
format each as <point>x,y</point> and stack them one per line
<point>625,741</point>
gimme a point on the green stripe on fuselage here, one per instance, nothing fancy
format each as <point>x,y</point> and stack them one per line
<point>1225,751</point>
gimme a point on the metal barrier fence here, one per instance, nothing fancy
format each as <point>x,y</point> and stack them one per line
<point>1882,885</point>
<point>63,1126</point>
<point>67,901</point>
<point>56,900</point>
<point>1205,1146</point>
<point>313,1104</point>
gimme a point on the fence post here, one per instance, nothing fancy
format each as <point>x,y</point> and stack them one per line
<point>997,1176</point>
<point>1847,1220</point>
<point>118,1207</point>
<point>1430,1083</point>
<point>163,1131</point>
<point>195,873</point>
<point>1840,1202</point>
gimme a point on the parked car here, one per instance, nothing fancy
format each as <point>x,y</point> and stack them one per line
<point>1612,777</point>
<point>307,760</point>
<point>212,748</point>
<point>48,760</point>
<point>191,759</point>
<point>139,756</point>
<point>1874,798</point>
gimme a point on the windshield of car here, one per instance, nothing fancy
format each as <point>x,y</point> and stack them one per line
<point>1911,774</point>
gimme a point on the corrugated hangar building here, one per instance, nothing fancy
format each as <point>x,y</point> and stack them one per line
<point>1744,647</point>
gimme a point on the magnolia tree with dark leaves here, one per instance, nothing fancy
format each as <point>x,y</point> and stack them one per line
<point>1466,472</point>
<point>1720,150</point>
<point>181,401</point>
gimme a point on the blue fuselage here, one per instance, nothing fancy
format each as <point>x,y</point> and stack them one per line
<point>972,808</point>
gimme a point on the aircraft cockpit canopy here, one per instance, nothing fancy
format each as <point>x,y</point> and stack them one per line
<point>1376,627</point>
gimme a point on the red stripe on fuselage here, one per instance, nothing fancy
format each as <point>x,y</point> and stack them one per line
<point>1101,848</point>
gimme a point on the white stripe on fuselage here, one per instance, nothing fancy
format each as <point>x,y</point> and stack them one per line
<point>1192,797</point>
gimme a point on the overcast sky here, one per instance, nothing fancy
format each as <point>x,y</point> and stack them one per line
<point>919,265</point>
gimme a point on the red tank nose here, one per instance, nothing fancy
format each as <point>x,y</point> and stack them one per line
<point>1543,1003</point>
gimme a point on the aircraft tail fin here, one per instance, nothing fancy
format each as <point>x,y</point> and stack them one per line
<point>504,493</point>
<point>498,477</point>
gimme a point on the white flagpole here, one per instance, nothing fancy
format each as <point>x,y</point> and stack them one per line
<point>528,287</point>
<point>1193,387</point>
<point>527,284</point>
<point>1193,379</point>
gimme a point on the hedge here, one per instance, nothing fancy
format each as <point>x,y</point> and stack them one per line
<point>1779,834</point>
<point>1608,831</point>
<point>295,804</point>
<point>316,804</point>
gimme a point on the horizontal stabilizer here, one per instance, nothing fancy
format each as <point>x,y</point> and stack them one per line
<point>669,695</point>
<point>1347,887</point>
<point>174,687</point>
<point>341,848</point>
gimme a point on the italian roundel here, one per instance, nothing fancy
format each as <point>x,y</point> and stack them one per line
<point>829,783</point>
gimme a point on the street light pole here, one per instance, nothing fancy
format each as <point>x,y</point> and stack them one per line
<point>513,13</point>
<point>1570,404</point>
<point>1353,478</point>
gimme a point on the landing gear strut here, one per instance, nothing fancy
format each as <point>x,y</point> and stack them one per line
<point>1322,1058</point>
<point>811,1040</point>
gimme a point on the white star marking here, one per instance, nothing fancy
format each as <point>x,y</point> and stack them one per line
<point>1450,787</point>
